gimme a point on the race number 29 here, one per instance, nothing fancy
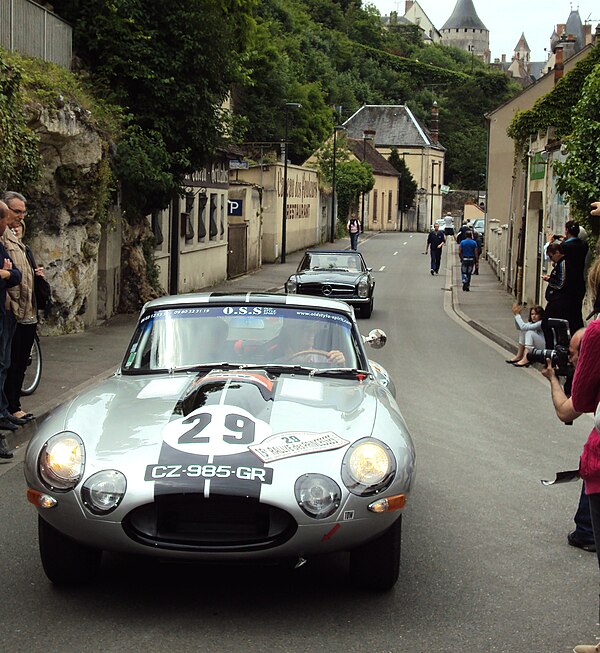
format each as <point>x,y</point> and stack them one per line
<point>242,429</point>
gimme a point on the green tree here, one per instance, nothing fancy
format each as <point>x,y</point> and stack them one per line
<point>151,58</point>
<point>352,179</point>
<point>408,185</point>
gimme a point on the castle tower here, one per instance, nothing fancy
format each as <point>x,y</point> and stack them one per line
<point>522,50</point>
<point>465,30</point>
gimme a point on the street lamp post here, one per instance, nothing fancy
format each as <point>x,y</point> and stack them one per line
<point>336,129</point>
<point>433,185</point>
<point>368,134</point>
<point>288,106</point>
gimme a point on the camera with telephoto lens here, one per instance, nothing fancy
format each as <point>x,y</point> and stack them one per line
<point>559,356</point>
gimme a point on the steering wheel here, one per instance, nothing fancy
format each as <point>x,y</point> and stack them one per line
<point>309,352</point>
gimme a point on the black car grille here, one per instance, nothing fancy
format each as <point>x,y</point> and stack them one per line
<point>336,290</point>
<point>190,522</point>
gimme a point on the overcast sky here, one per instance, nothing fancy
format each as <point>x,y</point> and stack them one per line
<point>506,20</point>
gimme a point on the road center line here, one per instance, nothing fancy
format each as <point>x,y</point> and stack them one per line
<point>382,268</point>
<point>396,253</point>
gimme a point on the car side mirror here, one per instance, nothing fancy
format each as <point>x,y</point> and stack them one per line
<point>369,269</point>
<point>376,338</point>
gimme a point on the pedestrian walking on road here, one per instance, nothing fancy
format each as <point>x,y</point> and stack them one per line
<point>435,243</point>
<point>353,230</point>
<point>468,253</point>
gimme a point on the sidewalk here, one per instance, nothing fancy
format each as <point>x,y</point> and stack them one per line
<point>71,363</point>
<point>487,307</point>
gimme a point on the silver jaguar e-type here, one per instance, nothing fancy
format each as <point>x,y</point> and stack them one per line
<point>238,427</point>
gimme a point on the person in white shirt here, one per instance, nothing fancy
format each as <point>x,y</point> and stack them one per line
<point>448,224</point>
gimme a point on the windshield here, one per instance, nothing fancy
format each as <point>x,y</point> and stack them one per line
<point>345,261</point>
<point>179,338</point>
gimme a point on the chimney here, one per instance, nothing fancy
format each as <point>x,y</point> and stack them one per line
<point>408,5</point>
<point>434,128</point>
<point>559,67</point>
<point>503,58</point>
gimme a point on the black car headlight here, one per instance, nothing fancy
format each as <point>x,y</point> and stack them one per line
<point>319,496</point>
<point>363,288</point>
<point>61,461</point>
<point>368,467</point>
<point>291,287</point>
<point>103,491</point>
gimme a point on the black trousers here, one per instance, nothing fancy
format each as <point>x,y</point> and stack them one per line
<point>566,309</point>
<point>20,349</point>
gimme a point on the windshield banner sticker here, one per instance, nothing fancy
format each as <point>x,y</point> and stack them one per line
<point>296,443</point>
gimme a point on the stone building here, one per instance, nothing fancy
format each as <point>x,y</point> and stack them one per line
<point>414,15</point>
<point>379,209</point>
<point>465,30</point>
<point>523,203</point>
<point>395,127</point>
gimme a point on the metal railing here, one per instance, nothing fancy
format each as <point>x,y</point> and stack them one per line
<point>32,30</point>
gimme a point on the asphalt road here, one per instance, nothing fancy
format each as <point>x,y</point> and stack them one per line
<point>485,565</point>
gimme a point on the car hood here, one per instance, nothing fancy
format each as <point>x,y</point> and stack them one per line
<point>215,413</point>
<point>327,276</point>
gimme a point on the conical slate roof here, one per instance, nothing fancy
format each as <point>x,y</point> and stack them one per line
<point>464,16</point>
<point>575,28</point>
<point>522,44</point>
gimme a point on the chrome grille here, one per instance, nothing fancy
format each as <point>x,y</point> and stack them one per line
<point>338,290</point>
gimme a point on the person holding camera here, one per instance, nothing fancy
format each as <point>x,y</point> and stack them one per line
<point>585,397</point>
<point>558,301</point>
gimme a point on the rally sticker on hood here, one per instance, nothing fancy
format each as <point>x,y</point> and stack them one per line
<point>296,443</point>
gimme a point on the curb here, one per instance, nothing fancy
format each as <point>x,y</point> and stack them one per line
<point>484,330</point>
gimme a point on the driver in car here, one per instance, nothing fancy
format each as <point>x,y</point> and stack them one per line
<point>299,346</point>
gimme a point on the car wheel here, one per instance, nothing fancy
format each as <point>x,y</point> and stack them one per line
<point>65,561</point>
<point>376,565</point>
<point>366,311</point>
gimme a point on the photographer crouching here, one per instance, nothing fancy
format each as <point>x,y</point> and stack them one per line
<point>585,396</point>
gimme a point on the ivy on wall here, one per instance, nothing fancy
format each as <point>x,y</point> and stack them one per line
<point>19,163</point>
<point>28,86</point>
<point>579,175</point>
<point>555,109</point>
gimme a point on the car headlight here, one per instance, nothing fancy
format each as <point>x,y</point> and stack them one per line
<point>368,467</point>
<point>103,491</point>
<point>291,286</point>
<point>61,461</point>
<point>319,496</point>
<point>363,288</point>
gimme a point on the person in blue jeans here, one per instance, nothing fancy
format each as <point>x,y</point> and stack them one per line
<point>435,243</point>
<point>468,251</point>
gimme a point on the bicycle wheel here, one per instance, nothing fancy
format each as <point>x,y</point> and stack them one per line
<point>33,373</point>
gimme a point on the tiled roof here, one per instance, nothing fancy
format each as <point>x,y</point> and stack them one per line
<point>380,165</point>
<point>464,16</point>
<point>395,126</point>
